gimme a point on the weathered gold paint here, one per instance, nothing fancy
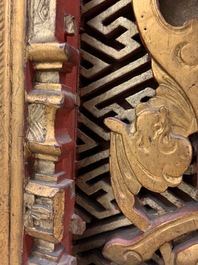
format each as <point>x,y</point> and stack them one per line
<point>48,193</point>
<point>12,55</point>
<point>17,162</point>
<point>154,151</point>
<point>135,253</point>
<point>4,129</point>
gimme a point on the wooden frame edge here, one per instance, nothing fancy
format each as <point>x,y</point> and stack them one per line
<point>17,46</point>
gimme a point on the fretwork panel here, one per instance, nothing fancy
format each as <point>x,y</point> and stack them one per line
<point>115,76</point>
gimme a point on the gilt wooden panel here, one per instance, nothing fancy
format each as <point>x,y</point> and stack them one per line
<point>116,77</point>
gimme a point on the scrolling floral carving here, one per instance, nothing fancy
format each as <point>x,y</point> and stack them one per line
<point>154,150</point>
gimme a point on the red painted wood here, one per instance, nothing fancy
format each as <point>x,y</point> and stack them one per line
<point>68,164</point>
<point>68,122</point>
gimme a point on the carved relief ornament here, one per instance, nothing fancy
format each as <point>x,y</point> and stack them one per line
<point>154,150</point>
<point>49,193</point>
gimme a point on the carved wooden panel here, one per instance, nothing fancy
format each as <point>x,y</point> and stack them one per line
<point>154,178</point>
<point>51,102</point>
<point>115,77</point>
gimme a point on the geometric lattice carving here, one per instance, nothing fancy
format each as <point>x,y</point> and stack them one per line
<point>154,151</point>
<point>115,77</point>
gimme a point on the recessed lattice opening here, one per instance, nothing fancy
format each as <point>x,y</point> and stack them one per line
<point>115,77</point>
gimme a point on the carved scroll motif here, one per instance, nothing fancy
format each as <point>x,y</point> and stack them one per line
<point>154,151</point>
<point>49,193</point>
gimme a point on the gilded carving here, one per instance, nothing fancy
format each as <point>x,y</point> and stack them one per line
<point>69,24</point>
<point>49,193</point>
<point>154,150</point>
<point>42,22</point>
<point>115,76</point>
<point>45,209</point>
<point>37,128</point>
<point>43,9</point>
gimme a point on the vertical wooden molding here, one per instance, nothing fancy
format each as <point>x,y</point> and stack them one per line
<point>49,194</point>
<point>4,129</point>
<point>18,22</point>
<point>12,39</point>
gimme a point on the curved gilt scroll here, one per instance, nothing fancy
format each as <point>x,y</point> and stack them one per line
<point>154,151</point>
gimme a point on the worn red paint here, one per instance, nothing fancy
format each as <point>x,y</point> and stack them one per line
<point>67,120</point>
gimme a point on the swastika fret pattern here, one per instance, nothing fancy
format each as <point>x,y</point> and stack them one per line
<point>115,77</point>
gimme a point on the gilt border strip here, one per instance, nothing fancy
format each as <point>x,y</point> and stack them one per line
<point>18,22</point>
<point>12,36</point>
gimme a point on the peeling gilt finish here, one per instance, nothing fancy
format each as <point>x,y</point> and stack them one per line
<point>154,150</point>
<point>49,193</point>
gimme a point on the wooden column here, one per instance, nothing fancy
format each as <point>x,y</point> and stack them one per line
<point>52,101</point>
